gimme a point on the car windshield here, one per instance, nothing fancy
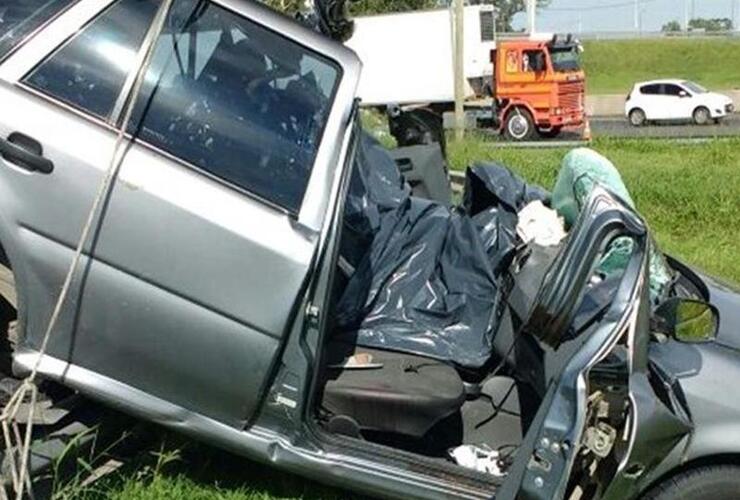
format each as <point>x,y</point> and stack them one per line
<point>565,59</point>
<point>694,87</point>
<point>18,19</point>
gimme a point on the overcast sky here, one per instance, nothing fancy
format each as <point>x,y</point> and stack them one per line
<point>618,15</point>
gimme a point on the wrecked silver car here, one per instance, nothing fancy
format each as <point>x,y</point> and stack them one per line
<point>259,275</point>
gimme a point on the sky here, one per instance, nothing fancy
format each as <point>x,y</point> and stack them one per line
<point>619,15</point>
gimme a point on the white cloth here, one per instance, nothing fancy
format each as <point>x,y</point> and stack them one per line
<point>540,225</point>
<point>477,458</point>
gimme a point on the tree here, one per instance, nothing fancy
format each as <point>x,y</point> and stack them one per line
<point>671,27</point>
<point>506,9</point>
<point>359,7</point>
<point>715,24</point>
<point>382,6</point>
<point>289,7</point>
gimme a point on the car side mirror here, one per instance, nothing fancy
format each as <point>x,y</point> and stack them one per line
<point>687,320</point>
<point>683,93</point>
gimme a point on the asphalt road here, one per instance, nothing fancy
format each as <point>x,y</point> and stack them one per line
<point>619,127</point>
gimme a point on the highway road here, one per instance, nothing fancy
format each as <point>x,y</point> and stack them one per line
<point>619,127</point>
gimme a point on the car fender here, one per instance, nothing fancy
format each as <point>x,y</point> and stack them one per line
<point>707,375</point>
<point>695,421</point>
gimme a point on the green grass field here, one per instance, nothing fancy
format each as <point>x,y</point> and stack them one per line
<point>613,66</point>
<point>690,195</point>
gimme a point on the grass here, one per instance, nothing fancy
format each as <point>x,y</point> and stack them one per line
<point>174,468</point>
<point>690,195</point>
<point>613,66</point>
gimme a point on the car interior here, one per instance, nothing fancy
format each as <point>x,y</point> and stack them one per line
<point>431,406</point>
<point>226,74</point>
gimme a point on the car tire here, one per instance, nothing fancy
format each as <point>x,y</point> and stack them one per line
<point>701,116</point>
<point>519,125</point>
<point>718,482</point>
<point>637,117</point>
<point>549,133</point>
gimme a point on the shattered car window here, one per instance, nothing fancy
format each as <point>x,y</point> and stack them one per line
<point>20,19</point>
<point>89,71</point>
<point>237,101</point>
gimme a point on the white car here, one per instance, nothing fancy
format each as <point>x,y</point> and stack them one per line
<point>660,100</point>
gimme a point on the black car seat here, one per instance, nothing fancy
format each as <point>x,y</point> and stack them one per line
<point>389,392</point>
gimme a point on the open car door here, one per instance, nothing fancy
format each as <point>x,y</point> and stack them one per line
<point>583,425</point>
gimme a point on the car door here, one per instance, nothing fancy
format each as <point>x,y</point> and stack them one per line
<point>211,228</point>
<point>582,433</point>
<point>58,91</point>
<point>655,102</point>
<point>678,102</point>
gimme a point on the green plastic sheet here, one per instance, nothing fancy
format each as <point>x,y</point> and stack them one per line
<point>583,169</point>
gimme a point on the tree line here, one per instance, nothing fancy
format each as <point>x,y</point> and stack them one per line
<point>700,23</point>
<point>506,9</point>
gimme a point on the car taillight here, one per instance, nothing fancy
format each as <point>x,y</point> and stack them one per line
<point>629,96</point>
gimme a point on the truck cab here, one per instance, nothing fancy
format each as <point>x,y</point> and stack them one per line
<point>538,87</point>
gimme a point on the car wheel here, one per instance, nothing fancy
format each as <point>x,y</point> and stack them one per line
<point>718,482</point>
<point>519,125</point>
<point>701,116</point>
<point>637,117</point>
<point>549,133</point>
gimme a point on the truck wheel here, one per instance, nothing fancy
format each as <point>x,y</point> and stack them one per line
<point>718,482</point>
<point>549,133</point>
<point>637,117</point>
<point>519,125</point>
<point>701,116</point>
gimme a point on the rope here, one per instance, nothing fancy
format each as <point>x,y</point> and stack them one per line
<point>17,461</point>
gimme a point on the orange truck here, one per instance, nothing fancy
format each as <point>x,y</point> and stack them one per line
<point>537,87</point>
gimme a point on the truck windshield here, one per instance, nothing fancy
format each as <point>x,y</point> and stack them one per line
<point>565,59</point>
<point>18,19</point>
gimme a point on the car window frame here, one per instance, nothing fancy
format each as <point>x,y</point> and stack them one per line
<point>92,10</point>
<point>320,186</point>
<point>327,161</point>
<point>657,86</point>
<point>111,122</point>
<point>41,27</point>
<point>666,86</point>
<point>293,213</point>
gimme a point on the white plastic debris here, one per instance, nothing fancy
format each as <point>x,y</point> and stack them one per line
<point>480,458</point>
<point>540,225</point>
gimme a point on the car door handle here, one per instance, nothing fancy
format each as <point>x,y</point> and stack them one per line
<point>25,152</point>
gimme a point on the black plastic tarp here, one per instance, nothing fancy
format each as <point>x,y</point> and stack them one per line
<point>426,275</point>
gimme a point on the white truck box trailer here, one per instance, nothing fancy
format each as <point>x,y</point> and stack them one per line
<point>408,57</point>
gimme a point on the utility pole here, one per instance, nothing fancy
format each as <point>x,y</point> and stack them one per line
<point>459,67</point>
<point>637,15</point>
<point>531,16</point>
<point>686,15</point>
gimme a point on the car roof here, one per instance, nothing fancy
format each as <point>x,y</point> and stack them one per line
<point>665,80</point>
